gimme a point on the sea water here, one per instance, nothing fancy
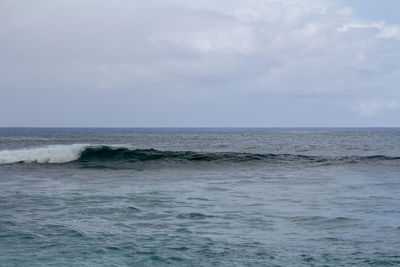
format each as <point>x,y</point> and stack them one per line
<point>199,197</point>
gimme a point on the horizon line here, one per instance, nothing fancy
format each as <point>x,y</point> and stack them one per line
<point>197,127</point>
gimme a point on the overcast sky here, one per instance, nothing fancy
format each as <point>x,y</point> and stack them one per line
<point>200,63</point>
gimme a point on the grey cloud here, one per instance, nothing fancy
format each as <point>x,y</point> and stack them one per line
<point>194,63</point>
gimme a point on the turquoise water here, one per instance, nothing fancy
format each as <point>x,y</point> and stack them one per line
<point>200,197</point>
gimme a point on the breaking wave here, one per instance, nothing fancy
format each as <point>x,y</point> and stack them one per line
<point>86,153</point>
<point>47,154</point>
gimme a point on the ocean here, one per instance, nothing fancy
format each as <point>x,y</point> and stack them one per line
<point>199,197</point>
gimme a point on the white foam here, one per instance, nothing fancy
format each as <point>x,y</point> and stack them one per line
<point>47,154</point>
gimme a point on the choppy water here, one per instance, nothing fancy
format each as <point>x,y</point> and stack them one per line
<point>200,197</point>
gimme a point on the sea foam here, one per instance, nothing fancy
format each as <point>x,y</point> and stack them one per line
<point>47,154</point>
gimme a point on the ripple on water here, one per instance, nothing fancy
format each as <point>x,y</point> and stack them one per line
<point>193,215</point>
<point>325,222</point>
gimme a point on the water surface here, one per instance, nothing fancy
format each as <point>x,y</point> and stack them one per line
<point>199,197</point>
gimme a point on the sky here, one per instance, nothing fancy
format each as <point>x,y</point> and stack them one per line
<point>199,63</point>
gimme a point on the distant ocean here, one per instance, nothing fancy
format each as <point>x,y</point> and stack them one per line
<point>199,197</point>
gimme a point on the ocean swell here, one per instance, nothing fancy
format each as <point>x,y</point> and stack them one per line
<point>86,153</point>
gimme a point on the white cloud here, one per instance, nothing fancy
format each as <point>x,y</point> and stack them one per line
<point>349,26</point>
<point>372,107</point>
<point>219,39</point>
<point>390,32</point>
<point>384,31</point>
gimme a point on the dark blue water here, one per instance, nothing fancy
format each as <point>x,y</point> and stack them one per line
<point>200,197</point>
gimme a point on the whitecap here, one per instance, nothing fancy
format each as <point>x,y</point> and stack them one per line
<point>47,154</point>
